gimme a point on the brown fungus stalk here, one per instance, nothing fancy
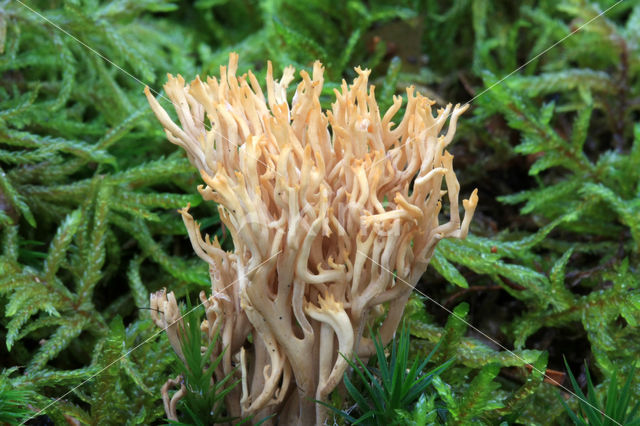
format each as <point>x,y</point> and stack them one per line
<point>332,214</point>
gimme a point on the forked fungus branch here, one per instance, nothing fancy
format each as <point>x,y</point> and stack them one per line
<point>331,212</point>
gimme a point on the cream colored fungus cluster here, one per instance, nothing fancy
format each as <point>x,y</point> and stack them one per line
<point>334,217</point>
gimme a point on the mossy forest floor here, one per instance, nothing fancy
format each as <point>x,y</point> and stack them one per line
<point>89,189</point>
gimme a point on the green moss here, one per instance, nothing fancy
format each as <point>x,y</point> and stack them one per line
<point>89,188</point>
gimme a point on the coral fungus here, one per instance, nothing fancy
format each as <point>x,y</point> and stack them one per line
<point>334,217</point>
